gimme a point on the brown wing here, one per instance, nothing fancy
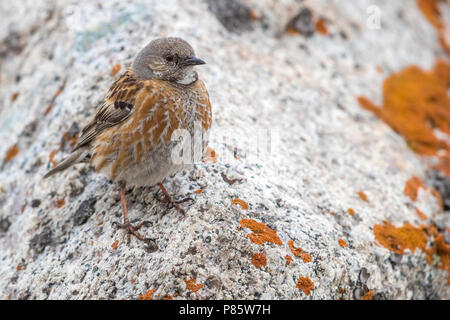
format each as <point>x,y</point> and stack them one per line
<point>118,106</point>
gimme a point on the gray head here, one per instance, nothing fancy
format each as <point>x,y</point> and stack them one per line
<point>170,59</point>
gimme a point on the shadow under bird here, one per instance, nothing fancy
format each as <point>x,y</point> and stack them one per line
<point>129,138</point>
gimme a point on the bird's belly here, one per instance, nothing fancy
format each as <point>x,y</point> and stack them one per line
<point>146,168</point>
<point>151,170</point>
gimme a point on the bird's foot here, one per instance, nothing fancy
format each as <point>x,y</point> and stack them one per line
<point>134,230</point>
<point>170,202</point>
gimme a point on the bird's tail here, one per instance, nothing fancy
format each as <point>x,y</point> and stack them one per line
<point>76,156</point>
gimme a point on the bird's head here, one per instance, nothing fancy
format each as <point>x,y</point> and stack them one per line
<point>169,59</point>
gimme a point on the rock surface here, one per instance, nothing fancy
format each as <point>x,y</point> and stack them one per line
<point>281,212</point>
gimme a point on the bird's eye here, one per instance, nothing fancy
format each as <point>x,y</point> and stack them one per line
<point>170,58</point>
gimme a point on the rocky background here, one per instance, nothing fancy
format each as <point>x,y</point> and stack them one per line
<point>329,175</point>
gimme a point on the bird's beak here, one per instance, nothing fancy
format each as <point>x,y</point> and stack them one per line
<point>193,61</point>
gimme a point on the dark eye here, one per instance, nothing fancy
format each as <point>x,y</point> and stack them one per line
<point>169,58</point>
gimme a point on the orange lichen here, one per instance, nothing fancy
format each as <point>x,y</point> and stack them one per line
<point>115,244</point>
<point>351,211</point>
<point>48,109</point>
<point>421,215</point>
<point>60,203</point>
<point>261,233</point>
<point>321,26</point>
<point>9,296</point>
<point>242,203</point>
<point>305,284</point>
<point>52,102</point>
<point>410,237</point>
<point>415,104</point>
<point>148,295</point>
<point>401,238</point>
<point>298,252</point>
<point>11,153</point>
<point>167,297</point>
<point>133,280</point>
<point>210,156</point>
<point>254,16</point>
<point>431,11</point>
<point>288,259</point>
<point>341,290</point>
<point>259,260</point>
<point>412,189</point>
<point>192,285</point>
<point>444,44</point>
<point>379,68</point>
<point>368,295</point>
<point>51,158</point>
<point>72,140</point>
<point>14,96</point>
<point>116,68</point>
<point>292,31</point>
<point>199,191</point>
<point>363,196</point>
<point>342,243</point>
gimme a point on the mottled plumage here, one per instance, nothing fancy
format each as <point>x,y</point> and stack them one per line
<point>130,137</point>
<point>138,149</point>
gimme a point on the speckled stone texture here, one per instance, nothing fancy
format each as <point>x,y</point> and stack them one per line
<point>290,138</point>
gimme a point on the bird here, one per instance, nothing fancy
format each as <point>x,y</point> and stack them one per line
<point>130,138</point>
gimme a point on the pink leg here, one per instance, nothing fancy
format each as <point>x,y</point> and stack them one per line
<point>126,221</point>
<point>171,201</point>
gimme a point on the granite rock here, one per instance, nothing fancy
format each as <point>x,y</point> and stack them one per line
<point>293,149</point>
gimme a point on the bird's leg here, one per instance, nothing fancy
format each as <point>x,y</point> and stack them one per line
<point>171,201</point>
<point>126,221</point>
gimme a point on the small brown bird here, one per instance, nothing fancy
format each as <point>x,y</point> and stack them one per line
<point>130,137</point>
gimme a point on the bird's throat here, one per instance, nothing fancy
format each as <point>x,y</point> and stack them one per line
<point>189,78</point>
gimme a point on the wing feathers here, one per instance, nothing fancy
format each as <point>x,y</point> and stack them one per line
<point>74,157</point>
<point>118,106</point>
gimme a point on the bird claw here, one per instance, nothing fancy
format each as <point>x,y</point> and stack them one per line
<point>171,203</point>
<point>176,203</point>
<point>133,230</point>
